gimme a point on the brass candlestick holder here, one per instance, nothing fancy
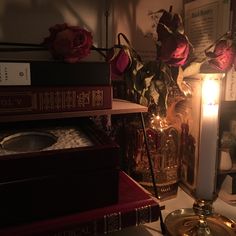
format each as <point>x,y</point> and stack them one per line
<point>199,221</point>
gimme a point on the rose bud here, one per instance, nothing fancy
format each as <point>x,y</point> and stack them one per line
<point>174,50</point>
<point>172,22</point>
<point>163,32</point>
<point>223,55</point>
<point>70,43</point>
<point>166,18</point>
<point>119,60</point>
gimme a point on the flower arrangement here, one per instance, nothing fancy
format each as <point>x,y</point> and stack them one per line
<point>151,83</point>
<point>160,84</point>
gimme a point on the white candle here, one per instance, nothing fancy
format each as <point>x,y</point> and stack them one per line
<point>208,140</point>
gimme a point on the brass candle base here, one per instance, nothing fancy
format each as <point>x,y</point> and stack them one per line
<point>199,221</point>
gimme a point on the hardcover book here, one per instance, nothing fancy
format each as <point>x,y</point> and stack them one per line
<point>46,99</point>
<point>54,73</point>
<point>135,206</point>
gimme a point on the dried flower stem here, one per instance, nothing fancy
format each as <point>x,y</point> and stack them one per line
<point>17,47</point>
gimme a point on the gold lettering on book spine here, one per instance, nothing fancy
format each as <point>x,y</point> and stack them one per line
<point>17,101</point>
<point>97,98</point>
<point>143,215</point>
<point>82,229</point>
<point>70,99</point>
<point>112,222</point>
<point>83,99</point>
<point>51,100</point>
<point>57,100</point>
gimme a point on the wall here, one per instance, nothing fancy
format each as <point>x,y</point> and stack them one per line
<point>132,17</point>
<point>29,20</point>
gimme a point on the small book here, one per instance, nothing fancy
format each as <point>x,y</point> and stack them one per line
<point>54,73</point>
<point>49,99</point>
<point>135,206</point>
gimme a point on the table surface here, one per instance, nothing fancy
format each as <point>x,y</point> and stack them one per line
<point>182,200</point>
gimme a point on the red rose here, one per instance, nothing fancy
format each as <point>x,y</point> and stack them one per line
<point>174,50</point>
<point>119,61</point>
<point>69,43</point>
<point>173,46</point>
<point>223,55</point>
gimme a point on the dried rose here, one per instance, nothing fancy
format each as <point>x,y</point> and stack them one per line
<point>172,22</point>
<point>223,55</point>
<point>119,60</point>
<point>173,46</point>
<point>69,43</point>
<point>174,50</point>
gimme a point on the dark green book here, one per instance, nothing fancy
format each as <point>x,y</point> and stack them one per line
<point>54,73</point>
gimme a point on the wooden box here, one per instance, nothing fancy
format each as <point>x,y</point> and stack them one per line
<point>77,171</point>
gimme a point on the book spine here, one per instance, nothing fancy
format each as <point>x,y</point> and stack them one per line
<point>109,223</point>
<point>24,99</point>
<point>112,222</point>
<point>53,73</point>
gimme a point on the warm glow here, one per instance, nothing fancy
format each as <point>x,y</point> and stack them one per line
<point>210,91</point>
<point>158,123</point>
<point>210,96</point>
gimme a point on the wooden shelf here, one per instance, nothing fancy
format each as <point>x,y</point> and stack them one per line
<point>118,107</point>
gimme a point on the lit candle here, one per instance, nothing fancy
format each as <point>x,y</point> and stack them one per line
<point>208,140</point>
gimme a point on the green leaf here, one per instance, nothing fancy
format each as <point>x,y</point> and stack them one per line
<point>154,93</point>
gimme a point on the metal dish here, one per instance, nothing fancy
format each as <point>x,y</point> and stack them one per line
<point>184,222</point>
<point>28,141</point>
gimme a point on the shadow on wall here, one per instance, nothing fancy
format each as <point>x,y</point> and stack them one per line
<point>28,21</point>
<point>126,10</point>
<point>130,18</point>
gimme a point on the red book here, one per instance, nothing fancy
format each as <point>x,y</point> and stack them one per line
<point>49,99</point>
<point>135,206</point>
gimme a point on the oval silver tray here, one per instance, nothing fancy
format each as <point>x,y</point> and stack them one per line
<point>28,141</point>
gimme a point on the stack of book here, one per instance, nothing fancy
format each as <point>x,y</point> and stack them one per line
<point>48,192</point>
<point>135,207</point>
<point>31,87</point>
